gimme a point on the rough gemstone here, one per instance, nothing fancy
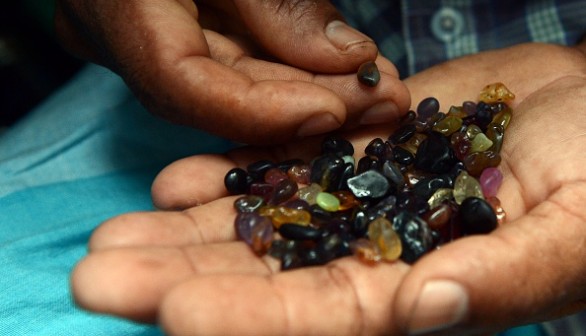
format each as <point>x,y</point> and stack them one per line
<point>281,215</point>
<point>460,144</point>
<point>366,250</point>
<point>380,231</point>
<point>466,186</point>
<point>496,134</point>
<point>440,196</point>
<point>476,216</point>
<point>368,74</point>
<point>438,217</point>
<point>490,181</point>
<point>369,184</point>
<point>346,198</point>
<point>328,201</point>
<point>502,118</point>
<point>496,92</point>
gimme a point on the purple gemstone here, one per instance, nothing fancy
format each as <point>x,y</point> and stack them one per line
<point>490,181</point>
<point>254,228</point>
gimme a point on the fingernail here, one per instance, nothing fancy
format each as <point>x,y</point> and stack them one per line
<point>441,304</point>
<point>380,113</point>
<point>318,124</point>
<point>343,36</point>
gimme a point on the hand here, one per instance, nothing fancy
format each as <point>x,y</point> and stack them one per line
<point>184,269</point>
<point>234,67</point>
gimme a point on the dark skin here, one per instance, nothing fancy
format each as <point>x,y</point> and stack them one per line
<point>183,268</point>
<point>206,64</point>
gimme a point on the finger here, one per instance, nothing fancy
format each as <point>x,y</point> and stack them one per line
<point>341,298</point>
<point>525,270</point>
<point>130,282</point>
<point>211,223</point>
<point>311,34</point>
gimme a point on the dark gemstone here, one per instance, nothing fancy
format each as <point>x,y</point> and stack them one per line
<point>368,74</point>
<point>402,134</point>
<point>428,186</point>
<point>284,191</point>
<point>264,190</point>
<point>483,115</point>
<point>337,146</point>
<point>435,155</point>
<point>332,246</point>
<point>369,184</point>
<point>359,223</point>
<point>456,170</point>
<point>367,163</point>
<point>255,230</point>
<point>386,207</point>
<point>476,216</point>
<point>236,181</point>
<point>476,162</point>
<point>299,232</point>
<point>319,216</point>
<point>407,201</point>
<point>496,134</point>
<point>297,204</point>
<point>257,169</point>
<point>391,171</point>
<point>326,171</point>
<point>415,236</point>
<point>402,156</point>
<point>376,148</point>
<point>408,118</point>
<point>469,107</point>
<point>347,173</point>
<point>291,260</point>
<point>427,107</point>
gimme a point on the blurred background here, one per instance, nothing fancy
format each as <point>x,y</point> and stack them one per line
<point>32,63</point>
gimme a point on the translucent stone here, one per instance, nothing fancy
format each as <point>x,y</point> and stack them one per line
<point>440,196</point>
<point>490,181</point>
<point>346,198</point>
<point>262,189</point>
<point>476,162</point>
<point>248,203</point>
<point>369,184</point>
<point>466,186</point>
<point>496,92</point>
<point>380,232</point>
<point>437,218</point>
<point>461,144</point>
<point>496,134</point>
<point>476,216</point>
<point>366,250</point>
<point>480,143</point>
<point>309,193</point>
<point>255,230</point>
<point>274,176</point>
<point>368,74</point>
<point>328,201</point>
<point>448,125</point>
<point>280,215</point>
<point>472,131</point>
<point>502,118</point>
<point>299,173</point>
<point>413,144</point>
<point>457,111</point>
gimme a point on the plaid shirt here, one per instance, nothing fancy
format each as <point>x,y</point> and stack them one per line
<point>416,34</point>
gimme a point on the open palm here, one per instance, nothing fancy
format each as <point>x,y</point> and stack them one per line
<point>183,268</point>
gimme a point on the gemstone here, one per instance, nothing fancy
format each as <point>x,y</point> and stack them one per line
<point>435,154</point>
<point>347,200</point>
<point>476,216</point>
<point>248,203</point>
<point>480,143</point>
<point>338,146</point>
<point>236,181</point>
<point>496,134</point>
<point>369,184</point>
<point>326,171</point>
<point>366,250</point>
<point>496,92</point>
<point>255,230</point>
<point>280,215</point>
<point>466,186</point>
<point>391,171</point>
<point>284,191</point>
<point>274,176</point>
<point>402,156</point>
<point>448,125</point>
<point>438,217</point>
<point>299,173</point>
<point>368,74</point>
<point>376,147</point>
<point>415,236</point>
<point>477,162</point>
<point>328,201</point>
<point>427,107</point>
<point>309,193</point>
<point>402,134</point>
<point>299,232</point>
<point>441,195</point>
<point>380,232</point>
<point>490,181</point>
<point>257,169</point>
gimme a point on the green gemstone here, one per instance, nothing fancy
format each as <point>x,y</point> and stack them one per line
<point>466,186</point>
<point>480,143</point>
<point>502,118</point>
<point>328,201</point>
<point>472,131</point>
<point>448,125</point>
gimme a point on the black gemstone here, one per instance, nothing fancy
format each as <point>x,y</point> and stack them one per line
<point>257,169</point>
<point>476,216</point>
<point>337,146</point>
<point>236,181</point>
<point>368,74</point>
<point>299,232</point>
<point>427,107</point>
<point>402,134</point>
<point>402,156</point>
<point>435,155</point>
<point>415,236</point>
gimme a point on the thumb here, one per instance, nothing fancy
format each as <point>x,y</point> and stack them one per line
<point>528,270</point>
<point>305,33</point>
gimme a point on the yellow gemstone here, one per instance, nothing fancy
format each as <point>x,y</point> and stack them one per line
<point>494,93</point>
<point>381,233</point>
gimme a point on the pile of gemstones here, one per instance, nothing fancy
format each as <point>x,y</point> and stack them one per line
<point>434,179</point>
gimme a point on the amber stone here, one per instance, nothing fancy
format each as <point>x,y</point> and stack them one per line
<point>248,203</point>
<point>380,231</point>
<point>496,92</point>
<point>347,199</point>
<point>255,230</point>
<point>299,173</point>
<point>280,215</point>
<point>236,181</point>
<point>476,216</point>
<point>476,162</point>
<point>415,235</point>
<point>448,125</point>
<point>435,154</point>
<point>366,250</point>
<point>368,74</point>
<point>369,184</point>
<point>466,186</point>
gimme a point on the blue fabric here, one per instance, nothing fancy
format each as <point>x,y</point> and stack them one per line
<point>88,154</point>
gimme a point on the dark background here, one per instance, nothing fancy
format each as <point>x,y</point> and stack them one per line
<point>32,63</point>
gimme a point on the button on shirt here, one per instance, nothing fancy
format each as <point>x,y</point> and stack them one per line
<point>417,34</point>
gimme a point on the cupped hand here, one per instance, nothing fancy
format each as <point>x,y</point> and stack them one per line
<point>183,268</point>
<point>234,67</point>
